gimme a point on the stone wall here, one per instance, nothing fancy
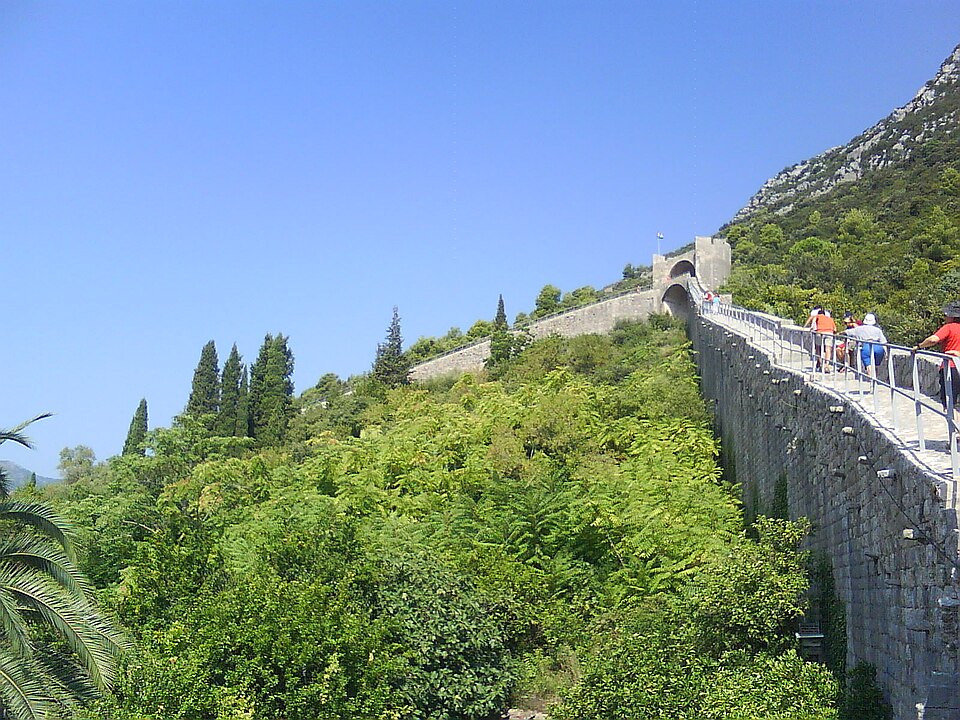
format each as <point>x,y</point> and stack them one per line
<point>709,261</point>
<point>878,517</point>
<point>466,359</point>
<point>600,317</point>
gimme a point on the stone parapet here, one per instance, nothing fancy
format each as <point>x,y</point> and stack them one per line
<point>878,516</point>
<point>600,317</point>
<point>709,260</point>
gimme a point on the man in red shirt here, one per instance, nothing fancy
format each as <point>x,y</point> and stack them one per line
<point>948,337</point>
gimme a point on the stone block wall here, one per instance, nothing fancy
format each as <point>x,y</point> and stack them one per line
<point>598,318</point>
<point>709,260</point>
<point>878,517</point>
<point>467,359</point>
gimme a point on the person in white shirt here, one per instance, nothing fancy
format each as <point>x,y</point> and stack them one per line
<point>871,340</point>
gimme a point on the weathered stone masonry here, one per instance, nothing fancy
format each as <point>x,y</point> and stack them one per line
<point>891,541</point>
<point>901,595</point>
<point>709,261</point>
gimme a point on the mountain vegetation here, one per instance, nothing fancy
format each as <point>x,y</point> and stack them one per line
<point>57,649</point>
<point>552,532</point>
<point>553,535</point>
<point>16,475</point>
<point>137,432</point>
<point>872,226</point>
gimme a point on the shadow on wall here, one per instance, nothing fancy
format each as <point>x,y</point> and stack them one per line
<point>677,302</point>
<point>684,267</point>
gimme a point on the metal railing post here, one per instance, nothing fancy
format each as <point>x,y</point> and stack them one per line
<point>947,370</point>
<point>918,408</point>
<point>847,369</point>
<point>892,380</point>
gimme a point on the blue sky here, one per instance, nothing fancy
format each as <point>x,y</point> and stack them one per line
<point>172,173</point>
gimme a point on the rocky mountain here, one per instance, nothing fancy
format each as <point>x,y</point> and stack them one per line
<point>18,476</point>
<point>932,117</point>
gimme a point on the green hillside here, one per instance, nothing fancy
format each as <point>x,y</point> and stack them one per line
<point>873,226</point>
<point>559,538</point>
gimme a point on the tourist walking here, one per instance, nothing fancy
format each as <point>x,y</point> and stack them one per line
<point>824,332</point>
<point>845,350</point>
<point>872,343</point>
<point>948,338</point>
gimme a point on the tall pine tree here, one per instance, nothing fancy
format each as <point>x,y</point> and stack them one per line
<point>501,342</point>
<point>137,433</point>
<point>230,423</point>
<point>271,391</point>
<point>243,405</point>
<point>205,392</point>
<point>500,320</point>
<point>391,366</point>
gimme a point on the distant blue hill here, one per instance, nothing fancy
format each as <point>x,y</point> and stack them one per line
<point>18,476</point>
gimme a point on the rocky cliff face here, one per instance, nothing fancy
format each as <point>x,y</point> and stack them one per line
<point>933,115</point>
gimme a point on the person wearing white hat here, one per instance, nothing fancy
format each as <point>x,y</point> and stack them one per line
<point>872,343</point>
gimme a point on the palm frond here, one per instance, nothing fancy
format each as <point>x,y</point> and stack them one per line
<point>72,619</point>
<point>12,622</point>
<point>16,435</point>
<point>26,689</point>
<point>42,519</point>
<point>38,552</point>
<point>68,680</point>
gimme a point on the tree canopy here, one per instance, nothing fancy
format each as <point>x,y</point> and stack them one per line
<point>390,366</point>
<point>205,391</point>
<point>444,550</point>
<point>137,432</point>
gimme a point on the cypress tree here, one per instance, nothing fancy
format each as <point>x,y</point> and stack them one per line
<point>243,404</point>
<point>501,343</point>
<point>133,445</point>
<point>391,366</point>
<point>271,391</point>
<point>228,420</point>
<point>205,392</point>
<point>500,320</point>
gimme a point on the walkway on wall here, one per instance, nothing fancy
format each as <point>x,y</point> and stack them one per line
<point>916,423</point>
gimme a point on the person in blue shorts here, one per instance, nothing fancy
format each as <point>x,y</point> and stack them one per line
<point>872,343</point>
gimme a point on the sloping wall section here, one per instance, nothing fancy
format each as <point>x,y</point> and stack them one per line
<point>600,317</point>
<point>710,260</point>
<point>879,519</point>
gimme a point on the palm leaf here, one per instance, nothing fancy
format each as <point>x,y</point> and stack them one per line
<point>15,434</point>
<point>71,618</point>
<point>26,690</point>
<point>12,622</point>
<point>41,554</point>
<point>42,519</point>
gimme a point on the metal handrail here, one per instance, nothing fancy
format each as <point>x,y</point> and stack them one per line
<point>787,337</point>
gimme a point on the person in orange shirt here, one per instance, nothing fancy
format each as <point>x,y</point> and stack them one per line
<point>824,328</point>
